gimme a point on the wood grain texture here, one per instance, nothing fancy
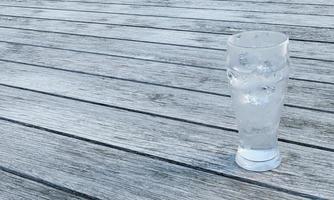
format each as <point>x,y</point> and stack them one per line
<point>193,25</point>
<point>202,40</point>
<point>301,68</point>
<point>158,52</point>
<point>317,2</point>
<point>323,102</point>
<point>210,2</point>
<point>199,79</point>
<point>16,188</point>
<point>166,117</point>
<point>192,106</point>
<point>192,144</point>
<point>243,16</point>
<point>300,93</point>
<point>229,5</point>
<point>107,173</point>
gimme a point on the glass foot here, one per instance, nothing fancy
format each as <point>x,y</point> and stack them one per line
<point>258,166</point>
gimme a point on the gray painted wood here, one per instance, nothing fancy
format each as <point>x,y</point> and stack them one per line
<point>229,5</point>
<point>303,169</point>
<point>16,188</point>
<point>226,27</point>
<point>243,16</point>
<point>112,174</point>
<point>297,124</point>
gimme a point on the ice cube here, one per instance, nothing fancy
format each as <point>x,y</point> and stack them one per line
<point>266,68</point>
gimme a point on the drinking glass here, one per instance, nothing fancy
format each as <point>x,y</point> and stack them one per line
<point>257,69</point>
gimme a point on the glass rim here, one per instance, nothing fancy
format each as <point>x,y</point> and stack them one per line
<point>274,44</point>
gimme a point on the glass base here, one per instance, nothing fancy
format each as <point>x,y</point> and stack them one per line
<point>258,166</point>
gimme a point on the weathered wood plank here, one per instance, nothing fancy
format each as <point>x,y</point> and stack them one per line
<point>192,144</point>
<point>199,79</point>
<point>13,187</point>
<point>63,115</point>
<point>229,5</point>
<point>326,92</point>
<point>297,124</point>
<point>300,93</point>
<point>212,41</point>
<point>317,2</point>
<point>271,2</point>
<point>107,173</point>
<point>199,25</point>
<point>163,36</point>
<point>159,52</point>
<point>224,75</point>
<point>243,16</point>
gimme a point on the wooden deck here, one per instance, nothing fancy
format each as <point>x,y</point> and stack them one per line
<point>128,99</point>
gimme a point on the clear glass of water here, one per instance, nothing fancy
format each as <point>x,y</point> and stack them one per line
<point>258,66</point>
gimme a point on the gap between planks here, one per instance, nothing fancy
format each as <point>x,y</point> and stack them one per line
<point>15,186</point>
<point>185,25</point>
<point>315,153</point>
<point>70,193</point>
<point>174,29</point>
<point>324,58</point>
<point>162,85</point>
<point>26,78</point>
<point>149,42</point>
<point>205,8</point>
<point>250,1</point>
<point>127,150</point>
<point>161,60</point>
<point>141,27</point>
<point>160,116</point>
<point>328,26</point>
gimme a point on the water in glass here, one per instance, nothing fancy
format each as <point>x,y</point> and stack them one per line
<point>258,72</point>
